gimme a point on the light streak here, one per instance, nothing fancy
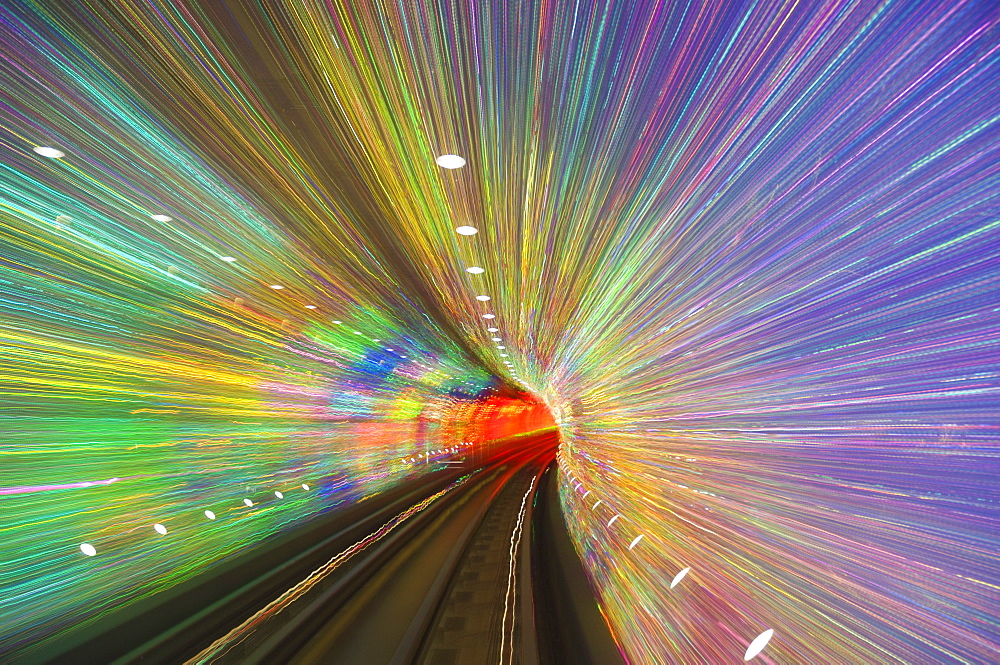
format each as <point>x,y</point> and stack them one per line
<point>507,651</point>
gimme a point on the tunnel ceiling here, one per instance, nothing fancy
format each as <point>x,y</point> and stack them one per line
<point>747,254</point>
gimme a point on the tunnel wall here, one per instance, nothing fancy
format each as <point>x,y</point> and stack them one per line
<point>746,251</point>
<point>106,479</point>
<point>132,400</point>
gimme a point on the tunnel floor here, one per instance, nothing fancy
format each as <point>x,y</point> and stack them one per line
<point>476,567</point>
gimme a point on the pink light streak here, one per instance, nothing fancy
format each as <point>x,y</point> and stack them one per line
<point>28,489</point>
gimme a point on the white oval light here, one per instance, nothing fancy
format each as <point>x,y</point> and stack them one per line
<point>304,486</point>
<point>248,503</point>
<point>496,339</point>
<point>338,322</point>
<point>466,230</point>
<point>279,495</point>
<point>489,316</point>
<point>450,161</point>
<point>759,643</point>
<point>678,577</point>
<point>475,270</point>
<point>277,287</point>
<point>310,306</point>
<point>228,259</point>
<point>162,218</point>
<point>493,329</point>
<point>88,549</point>
<point>209,514</point>
<point>482,298</point>
<point>53,152</point>
<point>501,346</point>
<point>160,529</point>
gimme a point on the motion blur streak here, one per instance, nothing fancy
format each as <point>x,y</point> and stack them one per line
<point>744,254</point>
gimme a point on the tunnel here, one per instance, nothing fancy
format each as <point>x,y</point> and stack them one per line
<point>538,332</point>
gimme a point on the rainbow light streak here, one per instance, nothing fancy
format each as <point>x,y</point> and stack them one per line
<point>746,252</point>
<point>48,488</point>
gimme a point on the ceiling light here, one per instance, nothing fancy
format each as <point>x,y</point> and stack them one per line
<point>496,339</point>
<point>501,347</point>
<point>482,298</point>
<point>338,322</point>
<point>376,340</point>
<point>279,494</point>
<point>162,218</point>
<point>304,486</point>
<point>489,316</point>
<point>248,502</point>
<point>209,514</point>
<point>503,355</point>
<point>310,306</point>
<point>357,332</point>
<point>56,154</point>
<point>444,161</point>
<point>88,549</point>
<point>758,644</point>
<point>678,577</point>
<point>228,259</point>
<point>160,529</point>
<point>467,230</point>
<point>493,329</point>
<point>277,287</point>
<point>475,270</point>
